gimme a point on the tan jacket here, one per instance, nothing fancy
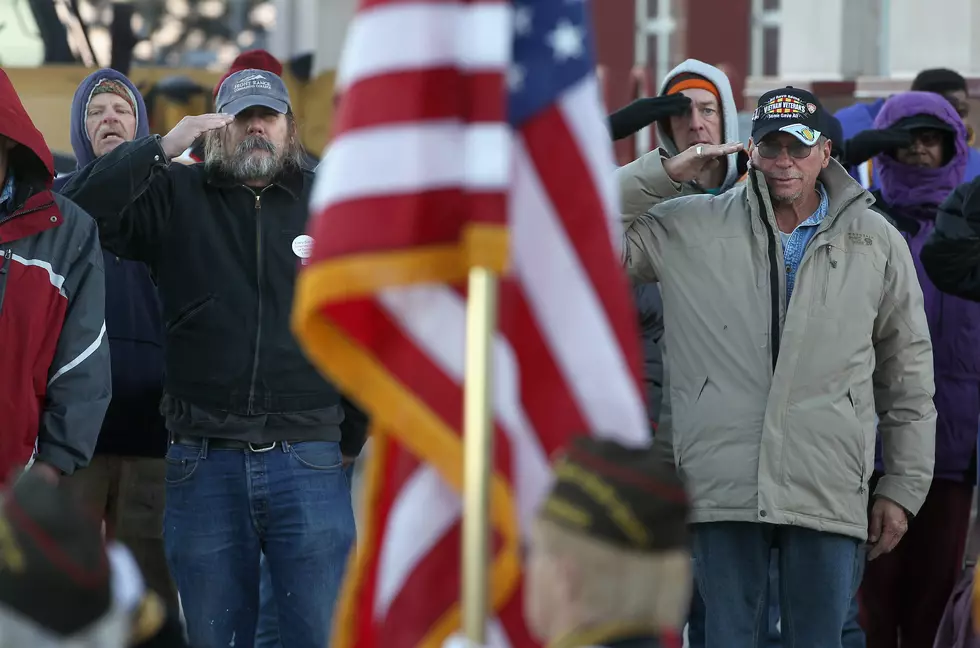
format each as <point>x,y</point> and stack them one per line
<point>790,444</point>
<point>642,184</point>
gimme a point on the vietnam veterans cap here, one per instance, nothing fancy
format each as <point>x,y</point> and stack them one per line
<point>251,87</point>
<point>788,110</point>
<point>622,496</point>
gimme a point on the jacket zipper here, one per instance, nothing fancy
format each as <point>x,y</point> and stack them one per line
<point>832,264</point>
<point>258,285</point>
<point>773,274</point>
<point>4,273</point>
<point>864,442</point>
<point>864,472</point>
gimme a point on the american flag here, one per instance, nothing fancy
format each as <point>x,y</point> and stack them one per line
<point>469,132</point>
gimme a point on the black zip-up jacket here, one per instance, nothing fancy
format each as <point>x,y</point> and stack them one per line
<point>223,255</point>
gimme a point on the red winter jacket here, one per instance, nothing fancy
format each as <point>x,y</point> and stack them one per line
<point>54,358</point>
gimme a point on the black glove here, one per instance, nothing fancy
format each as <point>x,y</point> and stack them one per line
<point>867,144</point>
<point>643,112</point>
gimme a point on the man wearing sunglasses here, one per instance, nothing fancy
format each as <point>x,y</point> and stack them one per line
<point>792,312</point>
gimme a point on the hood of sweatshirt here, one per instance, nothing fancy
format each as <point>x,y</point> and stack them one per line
<point>80,143</point>
<point>729,113</point>
<point>31,161</point>
<point>907,186</point>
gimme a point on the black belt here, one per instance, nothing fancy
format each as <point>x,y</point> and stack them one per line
<point>224,444</point>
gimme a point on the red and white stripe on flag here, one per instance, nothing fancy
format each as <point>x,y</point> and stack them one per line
<point>424,179</point>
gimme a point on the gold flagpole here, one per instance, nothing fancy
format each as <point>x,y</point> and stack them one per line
<point>481,320</point>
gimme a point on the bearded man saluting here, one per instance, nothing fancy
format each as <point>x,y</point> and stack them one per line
<point>259,440</point>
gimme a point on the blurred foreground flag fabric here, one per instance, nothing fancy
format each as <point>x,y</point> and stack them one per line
<point>468,133</point>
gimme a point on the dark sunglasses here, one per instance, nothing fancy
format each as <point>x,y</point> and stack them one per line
<point>771,150</point>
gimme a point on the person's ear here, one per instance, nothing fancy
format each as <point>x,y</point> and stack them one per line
<point>825,149</point>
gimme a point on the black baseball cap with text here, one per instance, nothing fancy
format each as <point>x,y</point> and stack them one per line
<point>788,110</point>
<point>248,88</point>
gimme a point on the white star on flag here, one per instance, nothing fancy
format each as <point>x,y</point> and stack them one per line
<point>522,21</point>
<point>567,40</point>
<point>515,78</point>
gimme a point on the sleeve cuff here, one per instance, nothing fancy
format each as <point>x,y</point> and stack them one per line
<point>159,155</point>
<point>57,457</point>
<point>890,487</point>
<point>662,183</point>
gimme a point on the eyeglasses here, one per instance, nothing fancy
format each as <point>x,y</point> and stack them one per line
<point>771,150</point>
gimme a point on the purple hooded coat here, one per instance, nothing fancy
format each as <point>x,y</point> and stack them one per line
<point>911,195</point>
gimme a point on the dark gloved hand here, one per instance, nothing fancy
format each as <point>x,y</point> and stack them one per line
<point>867,144</point>
<point>643,112</point>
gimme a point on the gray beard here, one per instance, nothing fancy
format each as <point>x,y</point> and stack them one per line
<point>785,199</point>
<point>246,165</point>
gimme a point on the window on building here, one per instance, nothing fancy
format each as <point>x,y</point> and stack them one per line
<point>770,51</point>
<point>765,38</point>
<point>655,27</point>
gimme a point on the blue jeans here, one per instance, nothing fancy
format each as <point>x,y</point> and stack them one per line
<point>695,619</point>
<point>267,632</point>
<point>852,637</point>
<point>225,508</point>
<point>817,577</point>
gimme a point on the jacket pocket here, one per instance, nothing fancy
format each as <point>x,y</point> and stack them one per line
<point>863,445</point>
<point>823,266</point>
<point>686,415</point>
<point>846,284</point>
<point>189,311</point>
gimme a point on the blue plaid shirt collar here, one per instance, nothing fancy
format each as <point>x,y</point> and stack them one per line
<point>795,247</point>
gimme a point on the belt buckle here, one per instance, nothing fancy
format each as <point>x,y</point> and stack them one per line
<point>251,446</point>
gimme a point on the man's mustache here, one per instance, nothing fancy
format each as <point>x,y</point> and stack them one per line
<point>106,131</point>
<point>255,143</point>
